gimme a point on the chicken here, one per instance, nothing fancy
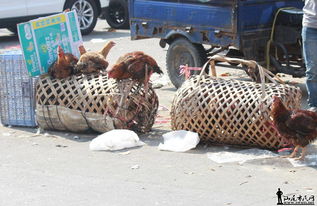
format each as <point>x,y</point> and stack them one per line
<point>135,65</point>
<point>299,126</point>
<point>91,62</point>
<point>64,65</point>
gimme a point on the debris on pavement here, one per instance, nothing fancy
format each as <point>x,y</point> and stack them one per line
<point>76,137</point>
<point>6,134</point>
<point>310,160</point>
<point>111,30</point>
<point>189,173</point>
<point>179,141</point>
<point>98,40</point>
<point>240,156</point>
<point>116,139</point>
<point>125,153</point>
<point>227,74</point>
<point>135,167</point>
<point>242,183</point>
<point>62,146</point>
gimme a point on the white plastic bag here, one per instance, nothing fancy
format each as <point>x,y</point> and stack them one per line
<point>115,140</point>
<point>240,156</point>
<point>179,141</point>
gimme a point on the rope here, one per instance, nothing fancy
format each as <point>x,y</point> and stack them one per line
<point>268,44</point>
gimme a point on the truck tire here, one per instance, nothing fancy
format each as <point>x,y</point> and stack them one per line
<point>182,52</point>
<point>87,14</point>
<point>117,14</point>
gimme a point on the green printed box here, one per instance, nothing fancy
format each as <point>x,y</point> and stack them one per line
<point>39,39</point>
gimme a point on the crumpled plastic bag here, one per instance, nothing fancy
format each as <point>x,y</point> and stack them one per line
<point>116,139</point>
<point>240,156</point>
<point>179,141</point>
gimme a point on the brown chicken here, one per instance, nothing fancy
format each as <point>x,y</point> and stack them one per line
<point>64,65</point>
<point>91,62</point>
<point>135,65</point>
<point>299,126</point>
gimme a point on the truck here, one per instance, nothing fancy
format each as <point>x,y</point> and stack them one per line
<point>197,29</point>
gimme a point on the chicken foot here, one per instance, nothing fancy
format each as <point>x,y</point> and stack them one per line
<point>302,156</point>
<point>293,154</point>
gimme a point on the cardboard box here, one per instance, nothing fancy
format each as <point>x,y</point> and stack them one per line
<point>39,39</point>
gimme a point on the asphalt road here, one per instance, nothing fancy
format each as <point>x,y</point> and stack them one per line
<point>57,168</point>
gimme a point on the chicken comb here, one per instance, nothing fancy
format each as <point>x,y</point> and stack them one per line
<point>60,50</point>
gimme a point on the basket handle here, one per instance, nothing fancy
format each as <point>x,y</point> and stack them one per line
<point>264,73</point>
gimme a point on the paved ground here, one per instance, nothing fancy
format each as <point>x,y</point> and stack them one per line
<point>54,168</point>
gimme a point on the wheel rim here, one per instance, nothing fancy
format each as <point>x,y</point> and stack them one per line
<point>85,13</point>
<point>116,13</point>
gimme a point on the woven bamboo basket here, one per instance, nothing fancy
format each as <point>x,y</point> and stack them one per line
<point>231,111</point>
<point>94,102</point>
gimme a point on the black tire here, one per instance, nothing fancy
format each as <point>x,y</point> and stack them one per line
<point>117,14</point>
<point>13,29</point>
<point>87,14</point>
<point>182,52</point>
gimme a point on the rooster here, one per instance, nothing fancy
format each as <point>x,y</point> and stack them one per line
<point>136,66</point>
<point>91,62</point>
<point>64,65</point>
<point>299,126</point>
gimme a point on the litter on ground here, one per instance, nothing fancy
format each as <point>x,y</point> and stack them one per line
<point>240,156</point>
<point>179,141</point>
<point>115,140</point>
<point>310,160</point>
